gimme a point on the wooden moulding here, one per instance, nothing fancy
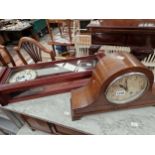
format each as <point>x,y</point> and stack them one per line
<point>51,128</point>
<point>91,98</point>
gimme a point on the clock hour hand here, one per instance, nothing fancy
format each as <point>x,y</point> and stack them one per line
<point>124,87</point>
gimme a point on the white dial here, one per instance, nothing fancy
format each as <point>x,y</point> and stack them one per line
<point>22,76</point>
<point>127,88</point>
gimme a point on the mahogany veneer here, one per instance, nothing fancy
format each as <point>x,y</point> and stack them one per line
<point>125,32</point>
<point>91,97</point>
<point>43,85</point>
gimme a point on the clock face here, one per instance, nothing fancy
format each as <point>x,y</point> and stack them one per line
<point>22,76</point>
<point>127,88</point>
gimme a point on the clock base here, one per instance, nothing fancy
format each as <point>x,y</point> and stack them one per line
<point>82,107</point>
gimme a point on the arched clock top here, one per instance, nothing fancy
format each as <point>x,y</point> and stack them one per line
<point>118,81</point>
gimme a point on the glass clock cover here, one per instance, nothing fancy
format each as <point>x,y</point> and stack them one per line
<point>127,88</point>
<point>24,75</point>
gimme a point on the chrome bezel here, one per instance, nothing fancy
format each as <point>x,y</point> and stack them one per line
<point>134,97</point>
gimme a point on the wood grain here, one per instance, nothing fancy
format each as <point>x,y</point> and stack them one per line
<point>91,98</point>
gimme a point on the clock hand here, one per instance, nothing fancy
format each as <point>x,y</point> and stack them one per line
<point>126,85</point>
<point>125,88</point>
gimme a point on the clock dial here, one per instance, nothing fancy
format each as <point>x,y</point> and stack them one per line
<point>22,76</point>
<point>126,88</point>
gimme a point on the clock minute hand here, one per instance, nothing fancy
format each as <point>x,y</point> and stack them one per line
<point>124,87</point>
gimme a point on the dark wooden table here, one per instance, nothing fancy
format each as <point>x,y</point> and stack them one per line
<point>139,34</point>
<point>14,35</point>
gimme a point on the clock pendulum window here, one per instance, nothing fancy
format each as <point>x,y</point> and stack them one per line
<point>119,81</point>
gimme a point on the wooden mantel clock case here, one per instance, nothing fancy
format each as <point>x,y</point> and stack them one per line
<point>119,81</point>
